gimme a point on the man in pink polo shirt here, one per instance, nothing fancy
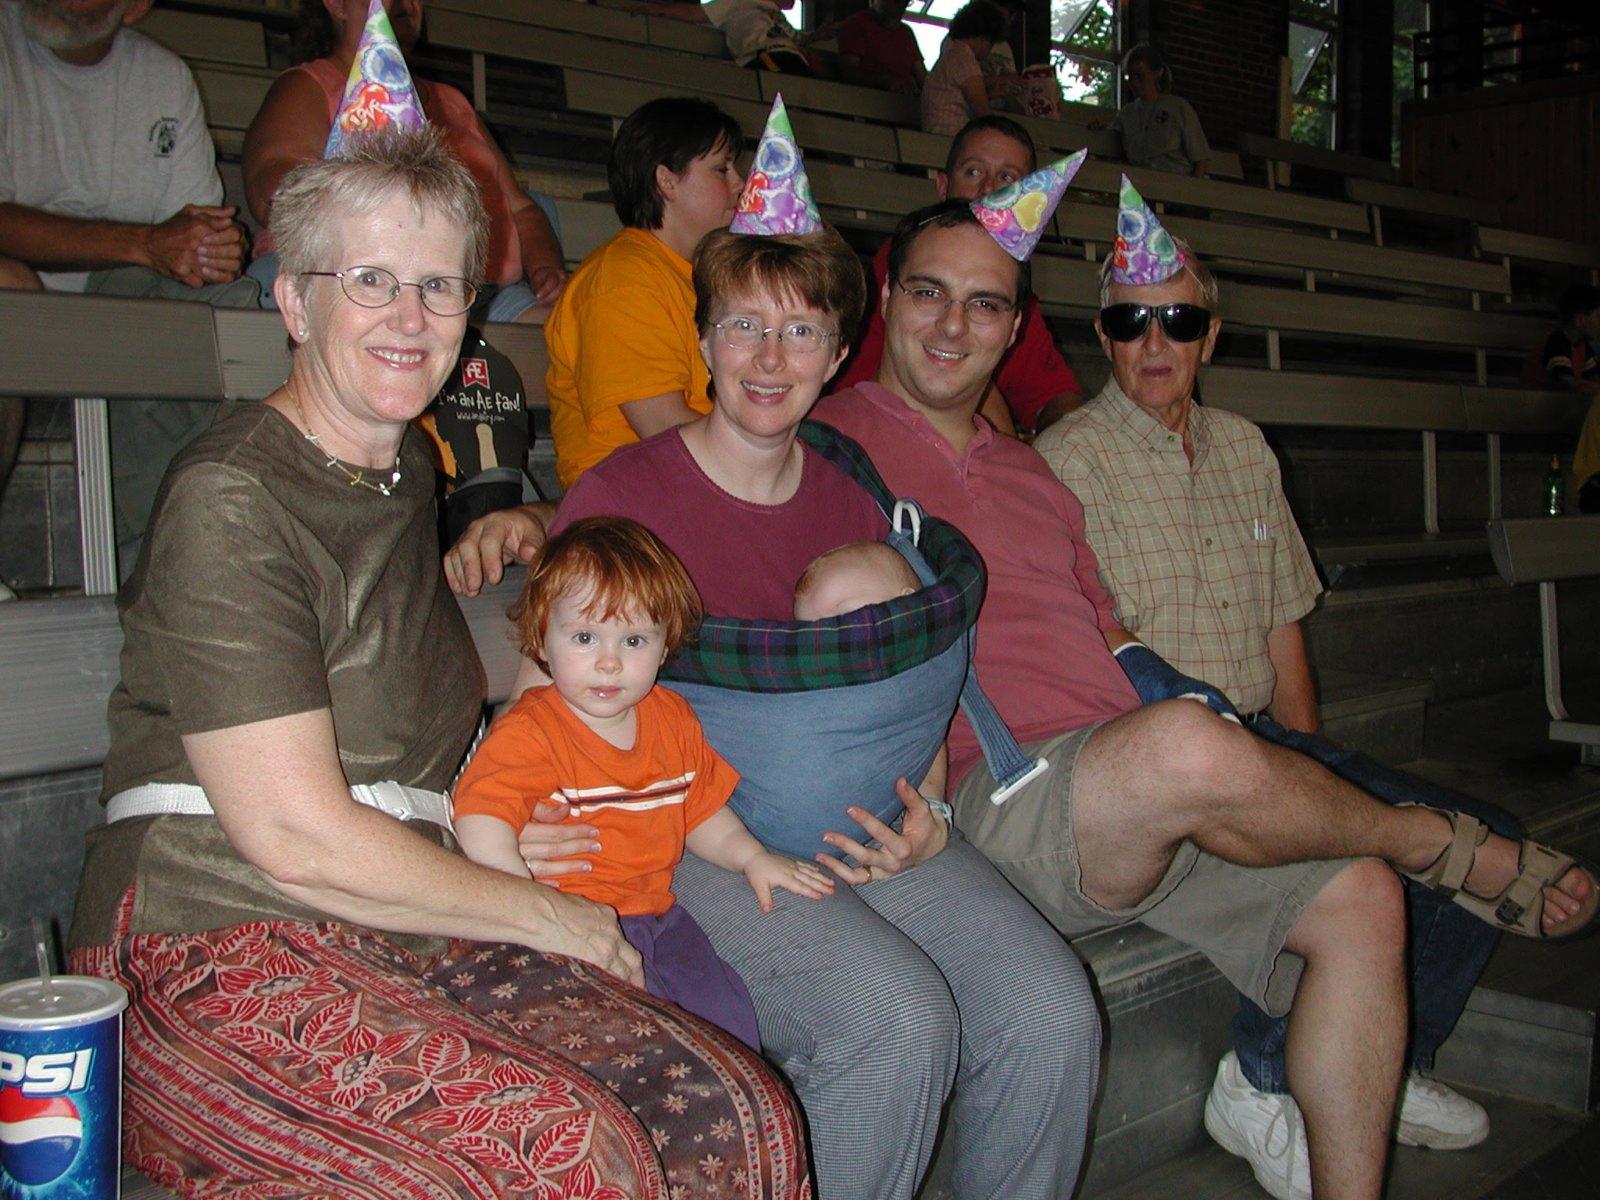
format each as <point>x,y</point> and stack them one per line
<point>1167,813</point>
<point>1032,384</point>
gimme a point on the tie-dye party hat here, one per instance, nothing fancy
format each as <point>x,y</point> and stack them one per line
<point>379,92</point>
<point>1016,215</point>
<point>1144,252</point>
<point>777,195</point>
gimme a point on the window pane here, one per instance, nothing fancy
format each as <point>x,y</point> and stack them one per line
<point>1318,84</point>
<point>1410,16</point>
<point>1305,44</point>
<point>929,39</point>
<point>1312,125</point>
<point>1084,80</point>
<point>1315,10</point>
<point>1097,30</point>
<point>943,9</point>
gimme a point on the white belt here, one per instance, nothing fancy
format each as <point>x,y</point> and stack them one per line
<point>189,800</point>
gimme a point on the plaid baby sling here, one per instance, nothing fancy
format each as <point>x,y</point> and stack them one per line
<point>817,716</point>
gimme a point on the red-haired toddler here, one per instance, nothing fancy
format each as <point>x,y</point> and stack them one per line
<point>605,604</point>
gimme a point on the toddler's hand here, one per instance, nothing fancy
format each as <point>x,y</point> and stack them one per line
<point>767,870</point>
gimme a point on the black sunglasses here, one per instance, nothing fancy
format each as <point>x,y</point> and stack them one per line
<point>1180,322</point>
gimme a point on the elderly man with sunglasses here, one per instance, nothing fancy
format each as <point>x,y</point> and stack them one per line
<point>1185,511</point>
<point>1162,812</point>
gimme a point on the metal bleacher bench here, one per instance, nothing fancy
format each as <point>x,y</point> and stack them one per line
<point>1547,550</point>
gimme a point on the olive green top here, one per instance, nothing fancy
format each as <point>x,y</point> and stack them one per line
<point>269,585</point>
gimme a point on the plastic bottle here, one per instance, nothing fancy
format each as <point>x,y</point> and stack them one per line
<point>1555,488</point>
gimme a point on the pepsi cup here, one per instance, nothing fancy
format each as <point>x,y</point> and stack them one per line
<point>61,1089</point>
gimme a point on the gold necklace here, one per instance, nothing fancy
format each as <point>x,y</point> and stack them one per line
<point>356,478</point>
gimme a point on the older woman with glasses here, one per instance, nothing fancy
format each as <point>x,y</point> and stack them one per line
<point>327,999</point>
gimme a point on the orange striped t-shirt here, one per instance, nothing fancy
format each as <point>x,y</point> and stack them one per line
<point>644,801</point>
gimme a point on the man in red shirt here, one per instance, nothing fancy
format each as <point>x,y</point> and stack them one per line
<point>1167,813</point>
<point>1032,384</point>
<point>877,49</point>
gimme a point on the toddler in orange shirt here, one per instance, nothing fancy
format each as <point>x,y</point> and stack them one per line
<point>604,605</point>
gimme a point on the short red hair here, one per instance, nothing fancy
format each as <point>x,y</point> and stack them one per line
<point>628,572</point>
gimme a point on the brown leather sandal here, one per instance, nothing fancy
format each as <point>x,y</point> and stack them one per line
<point>1519,907</point>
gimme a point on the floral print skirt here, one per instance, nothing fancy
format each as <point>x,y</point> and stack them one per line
<point>287,1059</point>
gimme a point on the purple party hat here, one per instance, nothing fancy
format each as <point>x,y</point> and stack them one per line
<point>379,92</point>
<point>777,195</point>
<point>1016,215</point>
<point>1144,252</point>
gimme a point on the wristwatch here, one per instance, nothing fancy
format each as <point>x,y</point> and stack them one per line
<point>943,809</point>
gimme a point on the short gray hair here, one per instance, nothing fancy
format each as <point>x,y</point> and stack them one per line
<point>375,167</point>
<point>1191,263</point>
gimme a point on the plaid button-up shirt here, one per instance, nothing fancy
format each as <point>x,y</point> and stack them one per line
<point>1202,559</point>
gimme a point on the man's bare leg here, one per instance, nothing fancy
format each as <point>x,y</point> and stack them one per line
<point>1155,776</point>
<point>1347,1031</point>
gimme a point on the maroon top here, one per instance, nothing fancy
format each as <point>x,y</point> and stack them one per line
<point>745,558</point>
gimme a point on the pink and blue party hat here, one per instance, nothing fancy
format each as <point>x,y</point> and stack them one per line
<point>1017,214</point>
<point>777,195</point>
<point>379,93</point>
<point>1144,252</point>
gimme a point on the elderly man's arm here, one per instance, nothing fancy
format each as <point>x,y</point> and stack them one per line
<point>1294,697</point>
<point>199,244</point>
<point>282,799</point>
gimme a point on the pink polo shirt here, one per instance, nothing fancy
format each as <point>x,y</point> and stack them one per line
<point>1040,655</point>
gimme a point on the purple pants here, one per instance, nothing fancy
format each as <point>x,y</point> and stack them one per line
<point>681,966</point>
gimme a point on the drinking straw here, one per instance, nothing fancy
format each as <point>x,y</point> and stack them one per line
<point>41,947</point>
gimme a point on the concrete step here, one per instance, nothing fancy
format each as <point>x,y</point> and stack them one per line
<point>1471,636</point>
<point>1521,1134</point>
<point>1380,716</point>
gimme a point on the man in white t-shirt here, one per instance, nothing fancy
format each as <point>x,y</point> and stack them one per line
<point>108,183</point>
<point>105,160</point>
<point>757,32</point>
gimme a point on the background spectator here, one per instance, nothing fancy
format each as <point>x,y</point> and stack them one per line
<point>1158,130</point>
<point>955,92</point>
<point>625,360</point>
<point>759,35</point>
<point>525,270</point>
<point>1566,357</point>
<point>1001,79</point>
<point>878,49</point>
<point>108,183</point>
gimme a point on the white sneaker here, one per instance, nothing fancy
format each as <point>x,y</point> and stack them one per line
<point>1263,1129</point>
<point>1437,1117</point>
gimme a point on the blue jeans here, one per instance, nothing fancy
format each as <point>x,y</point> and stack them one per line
<point>1448,946</point>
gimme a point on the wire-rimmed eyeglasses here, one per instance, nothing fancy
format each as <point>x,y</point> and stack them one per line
<point>802,337</point>
<point>374,287</point>
<point>980,310</point>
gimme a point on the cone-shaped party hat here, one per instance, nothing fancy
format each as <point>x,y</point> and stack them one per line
<point>1016,215</point>
<point>777,195</point>
<point>1144,252</point>
<point>379,92</point>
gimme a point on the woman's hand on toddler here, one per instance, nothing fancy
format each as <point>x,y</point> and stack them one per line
<point>922,834</point>
<point>767,870</point>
